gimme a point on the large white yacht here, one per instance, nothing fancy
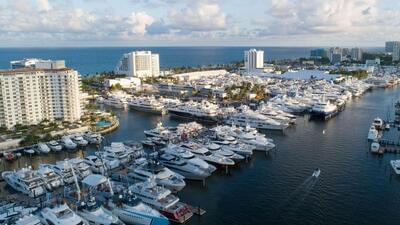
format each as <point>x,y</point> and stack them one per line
<point>82,169</point>
<point>246,135</point>
<point>95,213</point>
<point>396,166</point>
<point>50,178</point>
<point>204,111</point>
<point>216,149</point>
<point>162,199</point>
<point>182,167</point>
<point>61,215</point>
<point>29,220</point>
<point>25,180</point>
<point>378,123</point>
<point>249,117</point>
<point>116,151</point>
<point>146,104</point>
<point>95,164</point>
<point>131,210</point>
<point>116,99</point>
<point>184,153</point>
<point>63,169</point>
<point>231,144</point>
<point>93,138</point>
<point>161,132</point>
<point>79,140</point>
<point>323,109</point>
<point>143,169</point>
<point>204,154</point>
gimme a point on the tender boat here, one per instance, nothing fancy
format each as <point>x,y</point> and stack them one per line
<point>373,133</point>
<point>378,123</point>
<point>316,173</point>
<point>25,180</point>
<point>375,147</point>
<point>54,146</point>
<point>43,148</point>
<point>79,140</point>
<point>396,166</point>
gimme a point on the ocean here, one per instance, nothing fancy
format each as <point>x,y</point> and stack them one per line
<point>89,61</point>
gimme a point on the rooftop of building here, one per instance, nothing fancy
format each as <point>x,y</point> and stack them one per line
<point>30,70</point>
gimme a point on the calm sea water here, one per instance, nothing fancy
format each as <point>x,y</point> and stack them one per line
<point>354,187</point>
<point>92,60</point>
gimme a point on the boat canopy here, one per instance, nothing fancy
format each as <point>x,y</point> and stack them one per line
<point>94,180</point>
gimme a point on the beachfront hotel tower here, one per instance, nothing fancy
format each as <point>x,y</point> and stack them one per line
<point>31,95</point>
<point>253,59</point>
<point>139,64</point>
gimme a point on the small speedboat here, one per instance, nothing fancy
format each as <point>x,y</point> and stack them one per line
<point>375,147</point>
<point>316,173</point>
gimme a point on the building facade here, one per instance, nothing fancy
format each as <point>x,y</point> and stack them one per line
<point>253,59</point>
<point>335,55</point>
<point>29,96</point>
<point>396,51</point>
<point>389,46</point>
<point>139,64</point>
<point>37,63</point>
<point>356,54</point>
<point>318,53</point>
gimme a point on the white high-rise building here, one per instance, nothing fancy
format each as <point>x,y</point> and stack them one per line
<point>396,51</point>
<point>356,54</point>
<point>253,59</point>
<point>139,64</point>
<point>30,95</point>
<point>335,55</point>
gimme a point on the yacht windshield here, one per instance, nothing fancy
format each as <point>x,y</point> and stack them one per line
<point>64,214</point>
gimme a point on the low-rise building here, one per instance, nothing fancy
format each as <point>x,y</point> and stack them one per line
<point>37,63</point>
<point>129,82</point>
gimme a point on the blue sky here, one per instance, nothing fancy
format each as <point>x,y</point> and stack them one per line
<point>45,23</point>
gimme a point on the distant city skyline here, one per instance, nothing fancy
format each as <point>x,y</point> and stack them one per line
<point>295,23</point>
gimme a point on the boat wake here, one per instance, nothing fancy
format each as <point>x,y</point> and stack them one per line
<point>297,197</point>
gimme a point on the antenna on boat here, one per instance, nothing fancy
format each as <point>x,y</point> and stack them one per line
<point>78,189</point>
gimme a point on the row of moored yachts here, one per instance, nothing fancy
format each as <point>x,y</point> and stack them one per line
<point>150,175</point>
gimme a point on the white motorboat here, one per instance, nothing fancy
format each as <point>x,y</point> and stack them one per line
<point>189,157</point>
<point>230,143</point>
<point>109,163</point>
<point>182,167</point>
<point>67,143</point>
<point>50,178</point>
<point>324,109</point>
<point>373,133</point>
<point>82,169</point>
<point>116,99</point>
<point>378,123</point>
<point>43,148</point>
<point>10,212</point>
<point>204,154</point>
<point>215,148</point>
<point>96,214</point>
<point>316,173</point>
<point>93,138</point>
<point>29,220</point>
<point>396,166</point>
<point>254,119</point>
<point>54,146</point>
<point>375,147</point>
<point>161,132</point>
<point>25,180</point>
<point>116,152</point>
<point>79,140</point>
<point>61,215</point>
<point>246,135</point>
<point>146,104</point>
<point>63,169</point>
<point>95,164</point>
<point>162,199</point>
<point>131,210</point>
<point>143,169</point>
<point>204,111</point>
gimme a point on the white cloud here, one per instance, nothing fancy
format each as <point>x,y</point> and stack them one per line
<point>198,17</point>
<point>139,21</point>
<point>43,5</point>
